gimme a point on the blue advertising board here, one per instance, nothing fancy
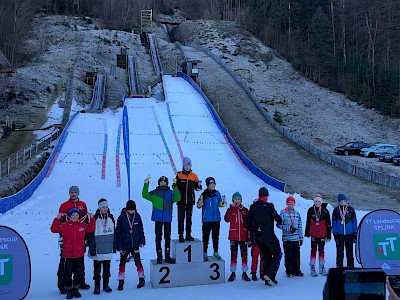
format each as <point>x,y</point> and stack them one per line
<point>378,243</point>
<point>15,265</point>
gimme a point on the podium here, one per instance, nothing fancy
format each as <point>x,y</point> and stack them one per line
<point>189,269</point>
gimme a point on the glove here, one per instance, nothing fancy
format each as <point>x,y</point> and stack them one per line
<point>292,229</point>
<point>301,243</point>
<point>307,235</point>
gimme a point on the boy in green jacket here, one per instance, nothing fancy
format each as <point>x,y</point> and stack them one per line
<point>162,198</point>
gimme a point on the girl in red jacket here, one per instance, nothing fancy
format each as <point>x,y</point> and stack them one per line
<point>318,227</point>
<point>73,233</point>
<point>236,216</point>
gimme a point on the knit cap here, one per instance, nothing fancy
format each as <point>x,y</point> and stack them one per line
<point>102,203</point>
<point>163,178</point>
<point>290,200</point>
<point>210,180</point>
<point>186,161</point>
<point>130,205</point>
<point>236,195</point>
<point>74,188</point>
<point>72,211</point>
<point>341,197</point>
<point>263,192</point>
<point>318,198</point>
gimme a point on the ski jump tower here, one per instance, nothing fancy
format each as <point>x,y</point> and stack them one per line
<point>146,19</point>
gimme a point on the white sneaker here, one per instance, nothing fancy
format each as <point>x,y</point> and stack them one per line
<point>322,271</point>
<point>313,272</point>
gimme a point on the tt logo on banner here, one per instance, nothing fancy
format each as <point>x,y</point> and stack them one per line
<point>386,246</point>
<point>5,269</point>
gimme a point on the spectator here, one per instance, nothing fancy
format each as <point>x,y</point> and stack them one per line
<point>262,215</point>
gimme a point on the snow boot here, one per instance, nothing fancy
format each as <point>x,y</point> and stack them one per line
<point>76,293</point>
<point>106,287</point>
<point>313,272</point>
<point>181,239</point>
<point>189,238</point>
<point>216,255</point>
<point>70,293</point>
<point>84,286</point>
<point>96,290</point>
<point>245,277</point>
<point>120,285</point>
<point>262,276</point>
<point>168,258</point>
<point>322,270</point>
<point>159,257</point>
<point>254,276</point>
<point>205,256</point>
<point>269,281</point>
<point>232,277</point>
<point>141,283</point>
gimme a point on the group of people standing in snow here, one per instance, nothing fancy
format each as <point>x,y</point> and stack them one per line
<point>253,227</point>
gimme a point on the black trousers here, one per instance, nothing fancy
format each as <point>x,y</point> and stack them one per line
<point>271,252</point>
<point>185,212</point>
<point>292,257</point>
<point>97,271</point>
<point>167,234</point>
<point>344,241</point>
<point>213,228</point>
<point>73,267</point>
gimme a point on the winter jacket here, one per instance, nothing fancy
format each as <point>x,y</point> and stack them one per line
<point>321,228</point>
<point>212,201</point>
<point>291,218</point>
<point>104,236</point>
<point>125,238</point>
<point>162,199</point>
<point>349,225</point>
<point>262,215</point>
<point>80,205</point>
<point>73,236</point>
<point>187,182</point>
<point>236,216</point>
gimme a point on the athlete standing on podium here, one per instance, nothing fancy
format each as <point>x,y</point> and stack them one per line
<point>187,182</point>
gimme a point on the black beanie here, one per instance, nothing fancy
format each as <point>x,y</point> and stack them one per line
<point>130,205</point>
<point>210,180</point>
<point>263,192</point>
<point>163,178</point>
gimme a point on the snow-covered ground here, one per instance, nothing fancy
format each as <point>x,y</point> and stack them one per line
<point>80,162</point>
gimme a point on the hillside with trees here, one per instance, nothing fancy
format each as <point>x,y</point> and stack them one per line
<point>349,46</point>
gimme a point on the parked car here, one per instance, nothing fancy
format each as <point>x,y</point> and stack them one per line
<point>377,149</point>
<point>389,156</point>
<point>396,160</point>
<point>352,148</point>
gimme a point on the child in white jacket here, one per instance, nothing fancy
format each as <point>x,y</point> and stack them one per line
<point>292,237</point>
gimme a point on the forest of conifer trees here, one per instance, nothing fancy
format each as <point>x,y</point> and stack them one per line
<point>349,46</point>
